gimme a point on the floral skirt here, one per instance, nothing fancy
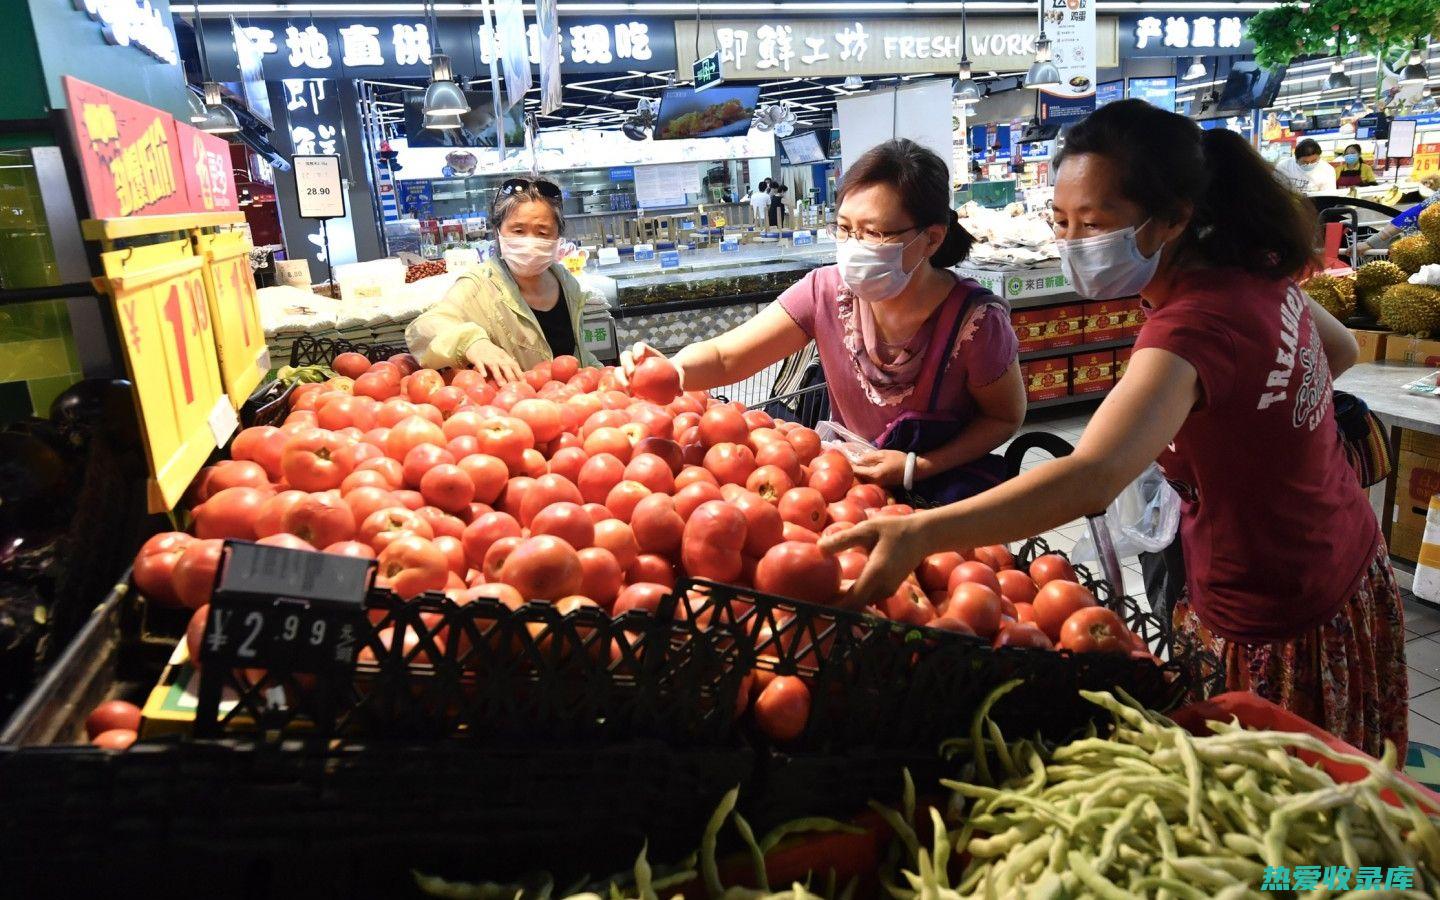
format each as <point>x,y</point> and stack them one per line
<point>1347,675</point>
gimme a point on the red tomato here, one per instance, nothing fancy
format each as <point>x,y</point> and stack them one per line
<point>363,502</point>
<point>691,474</point>
<point>723,425</point>
<point>568,521</point>
<point>409,499</point>
<point>976,572</point>
<point>1056,602</point>
<point>411,565</point>
<point>480,534</point>
<point>869,496</point>
<point>383,527</point>
<point>770,482</point>
<point>543,417</point>
<point>441,522</point>
<point>319,520</point>
<point>619,538</point>
<point>465,423</point>
<point>488,475</point>
<point>563,368</point>
<point>194,576</point>
<point>623,498</point>
<point>236,473</point>
<point>422,458</point>
<point>763,526</point>
<point>610,441</point>
<point>263,444</point>
<point>547,490</point>
<point>154,567</point>
<point>1024,612</point>
<point>543,568</point>
<point>996,556</point>
<point>783,708</point>
<point>420,385</point>
<point>112,714</point>
<point>391,469</point>
<point>448,487</point>
<point>376,385</point>
<point>463,446</point>
<point>656,379</point>
<point>664,448</point>
<point>351,365</point>
<point>351,548</point>
<point>288,541</point>
<point>598,477</point>
<point>115,739</point>
<point>364,478</point>
<point>601,577</point>
<point>270,518</point>
<point>713,541</point>
<point>230,513</point>
<point>497,554</point>
<point>396,410</point>
<point>935,570</point>
<point>684,421</point>
<point>1095,629</point>
<point>852,563</point>
<point>659,424</point>
<point>657,525</point>
<point>1015,585</point>
<point>909,605</point>
<point>507,438</point>
<point>454,553</point>
<point>976,605</point>
<point>567,463</point>
<point>804,506</point>
<point>604,418</point>
<point>806,443</point>
<point>651,471</point>
<point>1023,634</point>
<point>846,512</point>
<point>730,463</point>
<point>950,623</point>
<point>641,595</point>
<point>1051,567</point>
<point>758,418</point>
<point>409,433</point>
<point>689,498</point>
<point>799,570</point>
<point>651,568</point>
<point>834,480</point>
<point>777,452</point>
<point>512,499</point>
<point>792,532</point>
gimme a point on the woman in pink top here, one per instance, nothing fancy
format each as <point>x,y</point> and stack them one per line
<point>1288,577</point>
<point>918,361</point>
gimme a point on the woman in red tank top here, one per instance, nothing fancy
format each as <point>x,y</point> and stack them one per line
<point>1229,388</point>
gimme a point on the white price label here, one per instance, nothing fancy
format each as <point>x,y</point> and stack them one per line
<point>223,420</point>
<point>318,187</point>
<point>608,256</point>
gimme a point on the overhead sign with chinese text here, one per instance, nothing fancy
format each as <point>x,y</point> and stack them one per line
<point>369,47</point>
<point>1070,25</point>
<point>133,23</point>
<point>761,50</point>
<point>1184,34</point>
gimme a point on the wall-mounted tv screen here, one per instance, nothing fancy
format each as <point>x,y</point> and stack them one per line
<point>718,112</point>
<point>803,149</point>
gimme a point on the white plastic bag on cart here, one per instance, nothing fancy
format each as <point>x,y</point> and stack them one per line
<point>1143,519</point>
<point>833,435</point>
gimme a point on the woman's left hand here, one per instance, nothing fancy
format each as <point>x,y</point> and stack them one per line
<point>895,551</point>
<point>883,467</point>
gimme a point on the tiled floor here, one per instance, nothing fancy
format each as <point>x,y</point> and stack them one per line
<point>1422,622</point>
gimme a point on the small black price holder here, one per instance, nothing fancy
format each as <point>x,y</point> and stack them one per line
<point>281,639</point>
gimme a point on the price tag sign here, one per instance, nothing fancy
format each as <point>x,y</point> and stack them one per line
<point>318,187</point>
<point>670,259</point>
<point>729,245</point>
<point>165,324</point>
<point>224,421</point>
<point>644,252</point>
<point>287,610</point>
<point>234,311</point>
<point>804,238</point>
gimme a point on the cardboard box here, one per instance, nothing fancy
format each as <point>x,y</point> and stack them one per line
<point>1420,442</point>
<point>1372,344</point>
<point>1107,320</point>
<point>1412,350</point>
<point>1046,379</point>
<point>1092,373</point>
<point>1017,284</point>
<point>1032,328</point>
<point>1067,327</point>
<point>1418,479</point>
<point>1122,360</point>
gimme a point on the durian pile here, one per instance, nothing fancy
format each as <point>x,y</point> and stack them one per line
<point>1382,289</point>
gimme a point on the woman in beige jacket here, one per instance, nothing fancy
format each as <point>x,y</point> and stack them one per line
<point>515,310</point>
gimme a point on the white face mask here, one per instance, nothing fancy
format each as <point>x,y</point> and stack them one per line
<point>874,272</point>
<point>528,256</point>
<point>1310,166</point>
<point>1108,266</point>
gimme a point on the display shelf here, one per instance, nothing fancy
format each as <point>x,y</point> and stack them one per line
<point>1047,300</point>
<point>136,226</point>
<point>1095,347</point>
<point>1067,400</point>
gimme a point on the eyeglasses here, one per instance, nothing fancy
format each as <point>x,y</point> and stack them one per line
<point>547,189</point>
<point>867,235</point>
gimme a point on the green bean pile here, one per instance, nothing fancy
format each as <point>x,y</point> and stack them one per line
<point>1152,811</point>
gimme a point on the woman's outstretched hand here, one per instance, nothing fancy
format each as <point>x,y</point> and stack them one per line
<point>895,551</point>
<point>494,363</point>
<point>631,358</point>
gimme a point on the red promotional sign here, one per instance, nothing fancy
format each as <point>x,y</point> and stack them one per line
<point>205,159</point>
<point>128,152</point>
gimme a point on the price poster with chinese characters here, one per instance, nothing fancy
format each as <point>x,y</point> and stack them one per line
<point>205,162</point>
<point>234,309</point>
<point>1070,25</point>
<point>129,154</point>
<point>164,320</point>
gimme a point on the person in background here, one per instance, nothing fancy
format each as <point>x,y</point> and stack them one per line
<point>777,203</point>
<point>516,309</point>
<point>918,362</point>
<point>760,202</point>
<point>1305,172</point>
<point>1354,171</point>
<point>1289,582</point>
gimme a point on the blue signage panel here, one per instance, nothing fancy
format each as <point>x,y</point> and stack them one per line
<point>670,259</point>
<point>1109,92</point>
<point>622,173</point>
<point>1155,91</point>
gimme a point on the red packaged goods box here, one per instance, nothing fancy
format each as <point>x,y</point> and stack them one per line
<point>1067,328</point>
<point>1122,360</point>
<point>1092,373</point>
<point>1107,320</point>
<point>1137,316</point>
<point>1031,327</point>
<point>1046,379</point>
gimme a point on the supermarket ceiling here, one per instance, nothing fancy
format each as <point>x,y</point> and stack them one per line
<point>605,99</point>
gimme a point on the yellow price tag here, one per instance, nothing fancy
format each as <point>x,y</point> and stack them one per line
<point>1425,162</point>
<point>234,312</point>
<point>165,326</point>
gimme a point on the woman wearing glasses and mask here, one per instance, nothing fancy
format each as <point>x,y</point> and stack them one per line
<point>1288,578</point>
<point>515,310</point>
<point>919,362</point>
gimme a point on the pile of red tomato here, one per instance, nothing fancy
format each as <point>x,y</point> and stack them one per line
<point>567,487</point>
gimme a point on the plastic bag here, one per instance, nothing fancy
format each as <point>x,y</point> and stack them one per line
<point>1143,519</point>
<point>1427,564</point>
<point>833,435</point>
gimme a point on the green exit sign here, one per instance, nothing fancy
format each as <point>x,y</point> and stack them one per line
<point>707,72</point>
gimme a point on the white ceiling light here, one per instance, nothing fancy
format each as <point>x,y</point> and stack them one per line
<point>1043,72</point>
<point>966,90</point>
<point>1414,72</point>
<point>1196,70</point>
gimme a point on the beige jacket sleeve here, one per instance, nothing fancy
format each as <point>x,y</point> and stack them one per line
<point>440,336</point>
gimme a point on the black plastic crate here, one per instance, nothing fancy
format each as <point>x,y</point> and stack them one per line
<point>309,350</point>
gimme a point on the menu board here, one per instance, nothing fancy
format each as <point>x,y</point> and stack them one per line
<point>658,187</point>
